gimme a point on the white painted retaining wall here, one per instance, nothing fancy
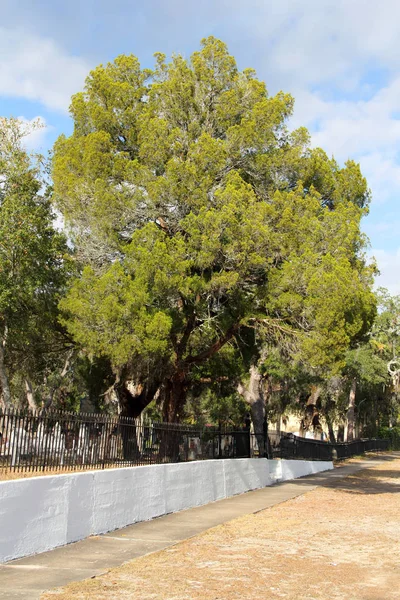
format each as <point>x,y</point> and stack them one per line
<point>41,513</point>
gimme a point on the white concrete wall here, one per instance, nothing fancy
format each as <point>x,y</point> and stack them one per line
<point>41,513</point>
<point>284,470</point>
<point>291,469</point>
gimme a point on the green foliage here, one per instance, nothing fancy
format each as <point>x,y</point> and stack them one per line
<point>195,214</point>
<point>384,343</point>
<point>366,366</point>
<point>230,411</point>
<point>119,301</point>
<point>392,434</point>
<point>31,251</point>
<point>323,285</point>
<point>33,259</point>
<point>377,395</point>
<point>385,333</point>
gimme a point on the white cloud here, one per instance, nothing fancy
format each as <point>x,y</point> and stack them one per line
<point>368,131</point>
<point>389,266</point>
<point>36,131</point>
<point>353,127</point>
<point>325,41</point>
<point>388,226</point>
<point>383,175</point>
<point>36,68</point>
<point>341,61</point>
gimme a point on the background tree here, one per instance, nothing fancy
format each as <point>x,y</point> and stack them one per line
<point>32,271</point>
<point>322,286</point>
<point>377,397</point>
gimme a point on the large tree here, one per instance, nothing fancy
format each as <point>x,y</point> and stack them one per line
<point>32,266</point>
<point>195,214</point>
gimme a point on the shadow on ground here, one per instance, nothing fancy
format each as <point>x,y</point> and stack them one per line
<point>371,481</point>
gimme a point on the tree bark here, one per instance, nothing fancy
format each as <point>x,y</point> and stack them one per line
<point>330,428</point>
<point>174,392</point>
<point>174,397</point>
<point>66,368</point>
<point>29,394</point>
<point>5,387</point>
<point>254,395</point>
<point>351,411</point>
<point>311,413</point>
<point>133,397</point>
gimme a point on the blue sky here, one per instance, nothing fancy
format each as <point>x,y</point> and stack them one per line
<point>339,58</point>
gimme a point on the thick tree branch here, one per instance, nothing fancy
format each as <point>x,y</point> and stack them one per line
<point>199,358</point>
<point>183,342</point>
<point>271,323</point>
<point>65,370</point>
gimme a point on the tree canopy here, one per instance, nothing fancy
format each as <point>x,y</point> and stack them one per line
<point>195,214</point>
<point>32,263</point>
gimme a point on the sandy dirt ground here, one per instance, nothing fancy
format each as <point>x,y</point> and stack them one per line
<point>10,475</point>
<point>328,544</point>
<point>6,475</point>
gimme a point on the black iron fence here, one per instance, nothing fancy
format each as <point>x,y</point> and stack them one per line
<point>50,440</point>
<point>293,447</point>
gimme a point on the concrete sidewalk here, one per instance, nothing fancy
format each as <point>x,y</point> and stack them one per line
<point>27,578</point>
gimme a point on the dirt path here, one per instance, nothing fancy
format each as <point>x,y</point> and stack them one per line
<point>332,543</point>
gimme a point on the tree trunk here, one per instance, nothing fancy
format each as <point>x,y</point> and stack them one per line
<point>175,389</point>
<point>29,394</point>
<point>311,413</point>
<point>132,396</point>
<point>351,411</point>
<point>330,428</point>
<point>132,400</point>
<point>5,387</point>
<point>340,434</point>
<point>66,368</point>
<point>174,397</point>
<point>254,395</point>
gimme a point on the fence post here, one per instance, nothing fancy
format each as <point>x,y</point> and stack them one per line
<point>15,450</point>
